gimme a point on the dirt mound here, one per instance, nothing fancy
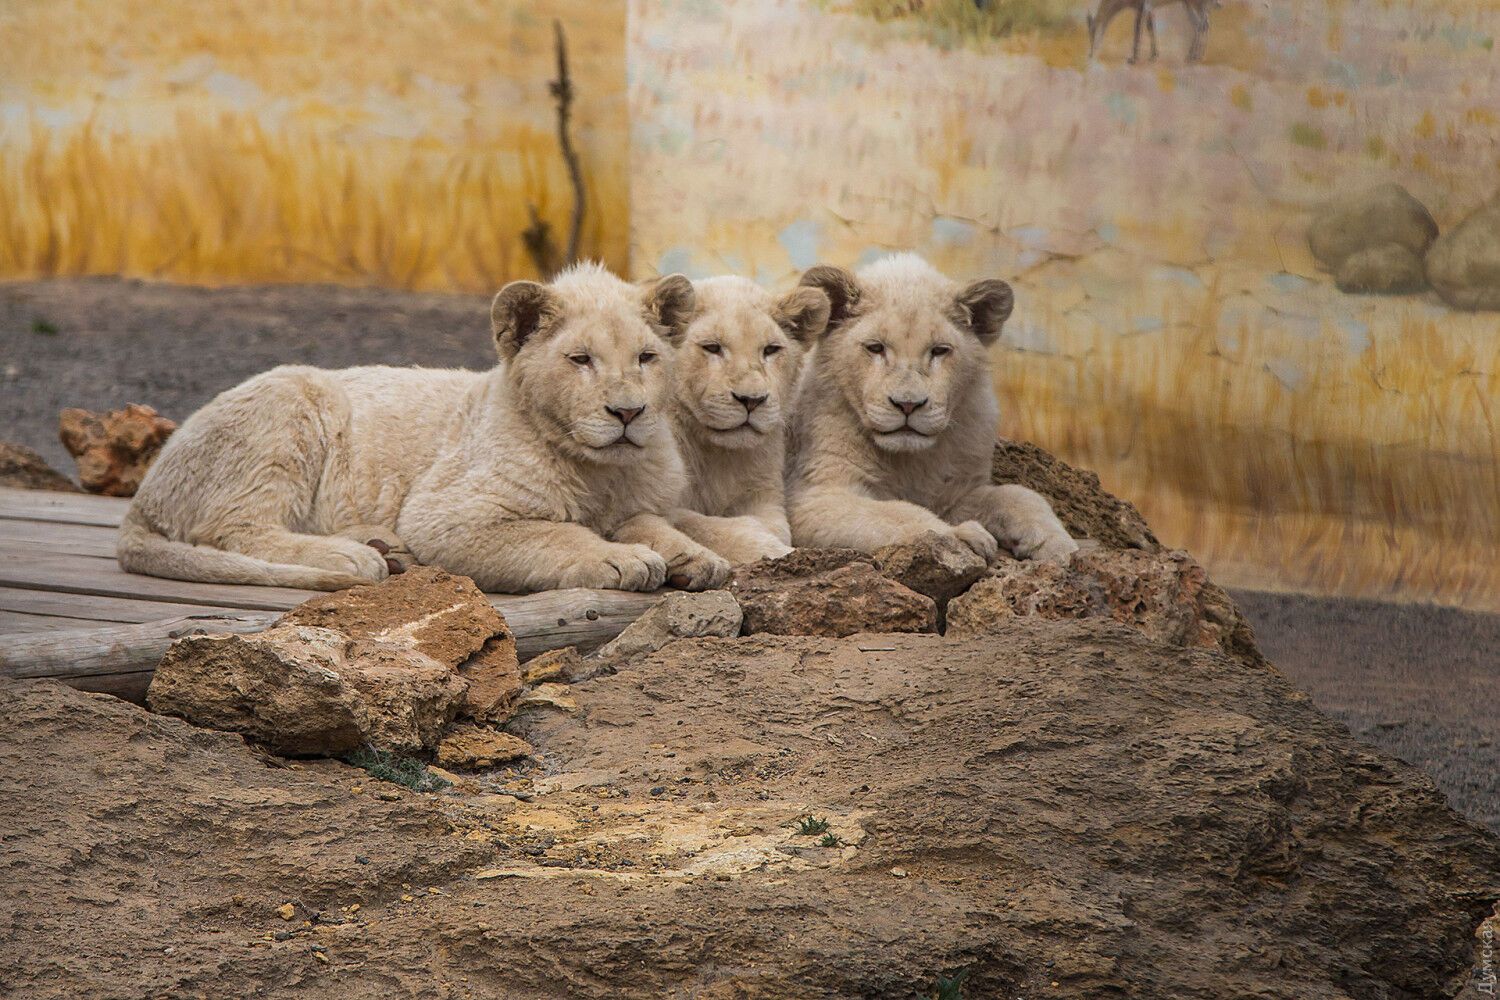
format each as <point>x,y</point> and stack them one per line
<point>1083,506</point>
<point>1056,802</point>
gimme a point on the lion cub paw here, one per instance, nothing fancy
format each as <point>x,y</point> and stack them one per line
<point>977,537</point>
<point>1046,543</point>
<point>620,567</point>
<point>702,570</point>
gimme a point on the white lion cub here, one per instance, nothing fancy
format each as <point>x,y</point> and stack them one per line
<point>732,379</point>
<point>554,469</point>
<point>896,418</point>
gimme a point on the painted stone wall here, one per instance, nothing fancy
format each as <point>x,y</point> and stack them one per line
<point>1173,330</point>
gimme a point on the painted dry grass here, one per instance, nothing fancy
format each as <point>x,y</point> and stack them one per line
<point>953,22</point>
<point>359,141</point>
<point>225,200</point>
<point>1376,475</point>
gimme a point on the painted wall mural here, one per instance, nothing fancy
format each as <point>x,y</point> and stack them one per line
<point>1175,329</point>
<point>357,141</point>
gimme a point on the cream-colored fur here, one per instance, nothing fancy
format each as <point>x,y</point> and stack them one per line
<point>864,471</point>
<point>525,477</point>
<point>733,378</point>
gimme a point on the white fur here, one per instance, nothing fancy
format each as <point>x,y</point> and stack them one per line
<point>744,343</point>
<point>517,477</point>
<point>863,473</point>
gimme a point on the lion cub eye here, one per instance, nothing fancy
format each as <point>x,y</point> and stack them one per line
<point>771,349</point>
<point>581,360</point>
<point>647,357</point>
<point>875,347</point>
<point>938,350</point>
<point>712,348</point>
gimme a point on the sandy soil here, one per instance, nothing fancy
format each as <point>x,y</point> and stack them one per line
<point>1058,809</point>
<point>1415,681</point>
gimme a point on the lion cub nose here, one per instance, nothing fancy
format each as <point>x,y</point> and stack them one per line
<point>907,406</point>
<point>625,414</point>
<point>750,402</point>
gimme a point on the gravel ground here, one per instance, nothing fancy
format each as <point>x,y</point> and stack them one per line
<point>1421,683</point>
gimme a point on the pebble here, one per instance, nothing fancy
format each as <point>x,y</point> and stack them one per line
<point>899,872</point>
<point>386,795</point>
<point>286,911</point>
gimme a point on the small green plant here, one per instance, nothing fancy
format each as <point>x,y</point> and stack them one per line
<point>830,840</point>
<point>809,826</point>
<point>405,771</point>
<point>43,327</point>
<point>951,987</point>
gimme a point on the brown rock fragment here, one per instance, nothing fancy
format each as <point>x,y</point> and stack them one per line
<point>114,449</point>
<point>472,747</point>
<point>829,592</point>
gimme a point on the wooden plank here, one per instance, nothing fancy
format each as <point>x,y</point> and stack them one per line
<point>68,508</point>
<point>52,536</point>
<point>577,617</point>
<point>32,569</point>
<point>119,659</point>
<point>104,610</point>
<point>15,623</point>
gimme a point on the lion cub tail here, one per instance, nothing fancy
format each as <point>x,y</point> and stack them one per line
<point>141,549</point>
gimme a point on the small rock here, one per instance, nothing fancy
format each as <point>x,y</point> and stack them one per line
<point>1389,269</point>
<point>827,592</point>
<point>470,748</point>
<point>899,872</point>
<point>23,469</point>
<point>114,449</point>
<point>1464,264</point>
<point>286,911</point>
<point>677,616</point>
<point>281,935</point>
<point>549,696</point>
<point>940,566</point>
<point>1370,218</point>
<point>387,795</point>
<point>553,665</point>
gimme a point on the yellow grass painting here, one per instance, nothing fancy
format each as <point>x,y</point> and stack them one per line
<point>1172,329</point>
<point>360,141</point>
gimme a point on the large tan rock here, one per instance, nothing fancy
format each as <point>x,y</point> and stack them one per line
<point>1165,595</point>
<point>939,566</point>
<point>23,469</point>
<point>304,690</point>
<point>441,616</point>
<point>1464,264</point>
<point>388,665</point>
<point>114,449</point>
<point>828,592</point>
<point>1370,218</point>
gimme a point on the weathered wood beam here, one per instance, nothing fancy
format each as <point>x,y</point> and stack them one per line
<point>120,659</point>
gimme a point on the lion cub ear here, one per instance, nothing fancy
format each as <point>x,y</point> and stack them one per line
<point>839,285</point>
<point>520,311</point>
<point>803,313</point>
<point>670,303</point>
<point>983,307</point>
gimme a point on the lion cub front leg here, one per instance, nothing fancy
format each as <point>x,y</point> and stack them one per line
<point>689,565</point>
<point>1021,519</point>
<point>743,539</point>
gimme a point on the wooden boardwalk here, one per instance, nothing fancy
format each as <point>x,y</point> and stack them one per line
<point>67,610</point>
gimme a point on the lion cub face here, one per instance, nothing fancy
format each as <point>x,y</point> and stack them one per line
<point>906,345</point>
<point>739,358</point>
<point>587,356</point>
